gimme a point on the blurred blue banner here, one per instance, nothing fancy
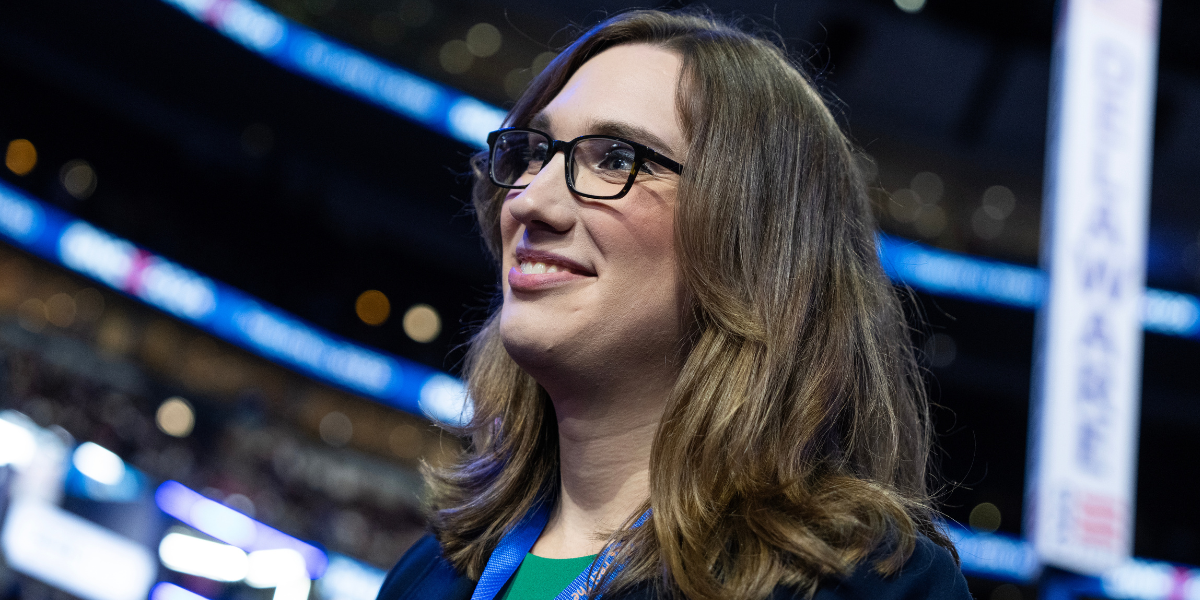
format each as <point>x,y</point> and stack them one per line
<point>302,50</point>
<point>226,312</point>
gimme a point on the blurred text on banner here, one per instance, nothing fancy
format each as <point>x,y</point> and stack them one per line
<point>1089,337</point>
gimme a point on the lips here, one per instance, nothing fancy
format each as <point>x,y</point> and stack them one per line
<point>537,269</point>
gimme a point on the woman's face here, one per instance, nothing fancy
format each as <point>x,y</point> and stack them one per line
<point>591,287</point>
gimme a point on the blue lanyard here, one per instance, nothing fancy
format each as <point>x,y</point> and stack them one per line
<point>516,544</point>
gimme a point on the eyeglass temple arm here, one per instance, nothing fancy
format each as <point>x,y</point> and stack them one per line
<point>654,156</point>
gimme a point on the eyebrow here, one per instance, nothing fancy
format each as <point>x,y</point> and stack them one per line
<point>541,121</point>
<point>631,132</point>
<point>614,128</point>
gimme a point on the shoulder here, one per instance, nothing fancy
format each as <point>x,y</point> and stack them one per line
<point>930,573</point>
<point>424,573</point>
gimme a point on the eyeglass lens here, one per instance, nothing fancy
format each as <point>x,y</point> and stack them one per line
<point>597,167</point>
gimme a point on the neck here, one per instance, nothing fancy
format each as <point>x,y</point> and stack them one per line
<point>604,466</point>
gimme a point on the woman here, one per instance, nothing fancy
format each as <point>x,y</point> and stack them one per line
<point>699,382</point>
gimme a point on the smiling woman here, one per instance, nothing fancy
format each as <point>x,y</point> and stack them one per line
<point>699,382</point>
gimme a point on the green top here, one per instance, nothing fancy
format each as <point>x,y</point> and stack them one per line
<point>543,578</point>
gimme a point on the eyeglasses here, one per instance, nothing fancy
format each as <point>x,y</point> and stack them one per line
<point>602,167</point>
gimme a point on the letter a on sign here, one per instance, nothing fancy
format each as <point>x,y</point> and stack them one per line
<point>1083,438</point>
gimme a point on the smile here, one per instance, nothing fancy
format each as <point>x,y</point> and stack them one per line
<point>540,262</point>
<point>538,268</point>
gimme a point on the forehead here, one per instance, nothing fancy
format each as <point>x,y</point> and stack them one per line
<point>632,84</point>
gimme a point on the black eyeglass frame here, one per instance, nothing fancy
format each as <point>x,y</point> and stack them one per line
<point>641,153</point>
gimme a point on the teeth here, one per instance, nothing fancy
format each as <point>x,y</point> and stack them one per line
<point>538,268</point>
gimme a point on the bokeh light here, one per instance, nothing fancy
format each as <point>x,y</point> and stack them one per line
<point>17,445</point>
<point>99,463</point>
<point>241,503</point>
<point>516,81</point>
<point>422,323</point>
<point>210,559</point>
<point>940,350</point>
<point>336,429</point>
<point>910,6</point>
<point>21,156</point>
<point>985,517</point>
<point>115,335</point>
<point>541,61</point>
<point>78,178</point>
<point>405,441</point>
<point>61,310</point>
<point>175,417</point>
<point>31,315</point>
<point>905,205</point>
<point>89,305</point>
<point>928,186</point>
<point>455,57</point>
<point>985,225</point>
<point>373,307</point>
<point>999,202</point>
<point>483,40</point>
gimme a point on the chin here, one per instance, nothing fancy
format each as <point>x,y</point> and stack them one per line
<point>534,343</point>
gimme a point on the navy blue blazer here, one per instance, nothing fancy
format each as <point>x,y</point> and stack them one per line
<point>930,573</point>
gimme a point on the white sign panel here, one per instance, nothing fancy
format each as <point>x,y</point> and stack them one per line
<point>75,555</point>
<point>1089,349</point>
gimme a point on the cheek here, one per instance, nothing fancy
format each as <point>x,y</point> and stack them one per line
<point>651,241</point>
<point>643,257</point>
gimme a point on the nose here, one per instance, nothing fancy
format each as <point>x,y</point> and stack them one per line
<point>545,204</point>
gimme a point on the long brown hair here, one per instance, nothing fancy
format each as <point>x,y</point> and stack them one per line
<point>796,440</point>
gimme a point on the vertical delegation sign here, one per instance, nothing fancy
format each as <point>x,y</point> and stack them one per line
<point>1084,420</point>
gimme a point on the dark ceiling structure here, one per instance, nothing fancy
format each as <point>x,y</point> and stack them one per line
<point>305,197</point>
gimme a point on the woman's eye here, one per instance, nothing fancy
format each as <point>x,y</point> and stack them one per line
<point>537,152</point>
<point>617,160</point>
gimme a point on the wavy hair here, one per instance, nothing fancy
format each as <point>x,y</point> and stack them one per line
<point>796,439</point>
